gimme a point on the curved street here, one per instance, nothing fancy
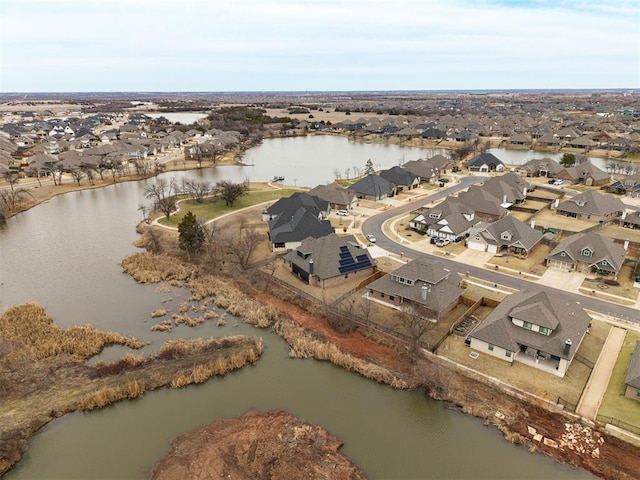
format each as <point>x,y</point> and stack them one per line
<point>373,225</point>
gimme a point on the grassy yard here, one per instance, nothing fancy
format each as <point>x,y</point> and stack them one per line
<point>533,263</point>
<point>519,375</point>
<point>615,404</point>
<point>210,209</point>
<point>625,289</point>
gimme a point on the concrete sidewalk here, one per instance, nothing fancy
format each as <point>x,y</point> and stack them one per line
<point>591,399</point>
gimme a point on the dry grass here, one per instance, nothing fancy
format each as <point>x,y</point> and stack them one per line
<point>161,312</point>
<point>305,345</point>
<point>33,335</point>
<point>206,358</point>
<point>145,267</point>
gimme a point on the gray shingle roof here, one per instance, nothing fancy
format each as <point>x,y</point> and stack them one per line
<point>601,248</point>
<point>398,176</point>
<point>443,283</point>
<point>592,203</point>
<point>633,372</point>
<point>373,185</point>
<point>333,193</point>
<point>520,234</point>
<point>292,203</point>
<point>288,227</point>
<point>571,322</point>
<point>326,253</point>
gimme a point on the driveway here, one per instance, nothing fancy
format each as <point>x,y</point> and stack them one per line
<point>567,281</point>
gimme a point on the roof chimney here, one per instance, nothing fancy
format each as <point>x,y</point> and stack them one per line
<point>555,204</point>
<point>624,215</point>
<point>311,266</point>
<point>425,290</point>
<point>504,198</point>
<point>626,245</point>
<point>567,347</point>
<point>533,223</point>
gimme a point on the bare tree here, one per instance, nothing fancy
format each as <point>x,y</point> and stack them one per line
<point>12,179</point>
<point>77,173</point>
<point>55,170</point>
<point>415,321</point>
<point>214,244</point>
<point>197,190</point>
<point>245,246</point>
<point>163,195</point>
<point>230,191</point>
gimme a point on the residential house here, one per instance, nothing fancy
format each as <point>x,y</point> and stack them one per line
<point>592,206</point>
<point>631,220</point>
<point>450,219</point>
<point>423,169</point>
<point>541,167</point>
<point>632,379</point>
<point>401,178</point>
<point>507,234</point>
<point>421,283</point>
<point>330,260</point>
<point>485,162</point>
<point>339,197</point>
<point>585,173</point>
<point>519,139</point>
<point>629,185</point>
<point>289,228</point>
<point>373,187</point>
<point>534,328</point>
<point>484,204</point>
<point>510,188</point>
<point>315,205</point>
<point>587,253</point>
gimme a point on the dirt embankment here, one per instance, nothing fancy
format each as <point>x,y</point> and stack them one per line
<point>255,445</point>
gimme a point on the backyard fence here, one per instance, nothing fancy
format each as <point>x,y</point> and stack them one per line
<point>619,423</point>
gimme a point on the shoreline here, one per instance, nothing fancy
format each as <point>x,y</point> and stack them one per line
<point>47,192</point>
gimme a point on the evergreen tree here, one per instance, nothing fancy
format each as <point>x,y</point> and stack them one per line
<point>368,167</point>
<point>191,233</point>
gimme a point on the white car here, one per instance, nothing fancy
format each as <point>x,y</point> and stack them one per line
<point>343,213</point>
<point>557,182</point>
<point>371,238</point>
<point>443,242</point>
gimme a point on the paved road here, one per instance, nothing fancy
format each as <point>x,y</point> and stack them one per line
<point>373,225</point>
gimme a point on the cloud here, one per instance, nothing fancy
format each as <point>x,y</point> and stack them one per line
<point>326,40</point>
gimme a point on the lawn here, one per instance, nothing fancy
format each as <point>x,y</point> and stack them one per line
<point>210,208</point>
<point>615,404</point>
<point>519,375</point>
<point>533,263</point>
<point>624,289</point>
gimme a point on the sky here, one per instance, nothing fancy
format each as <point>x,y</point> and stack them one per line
<point>317,45</point>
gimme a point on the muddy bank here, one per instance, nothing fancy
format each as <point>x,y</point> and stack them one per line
<point>255,445</point>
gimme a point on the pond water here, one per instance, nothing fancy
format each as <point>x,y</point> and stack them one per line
<point>65,255</point>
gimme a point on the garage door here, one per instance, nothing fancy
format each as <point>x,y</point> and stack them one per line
<point>558,265</point>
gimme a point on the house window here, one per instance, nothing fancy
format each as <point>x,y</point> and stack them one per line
<point>381,295</point>
<point>562,254</point>
<point>544,330</point>
<point>505,236</point>
<point>586,252</point>
<point>528,325</point>
<point>508,353</point>
<point>491,345</point>
<point>392,297</point>
<point>638,392</point>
